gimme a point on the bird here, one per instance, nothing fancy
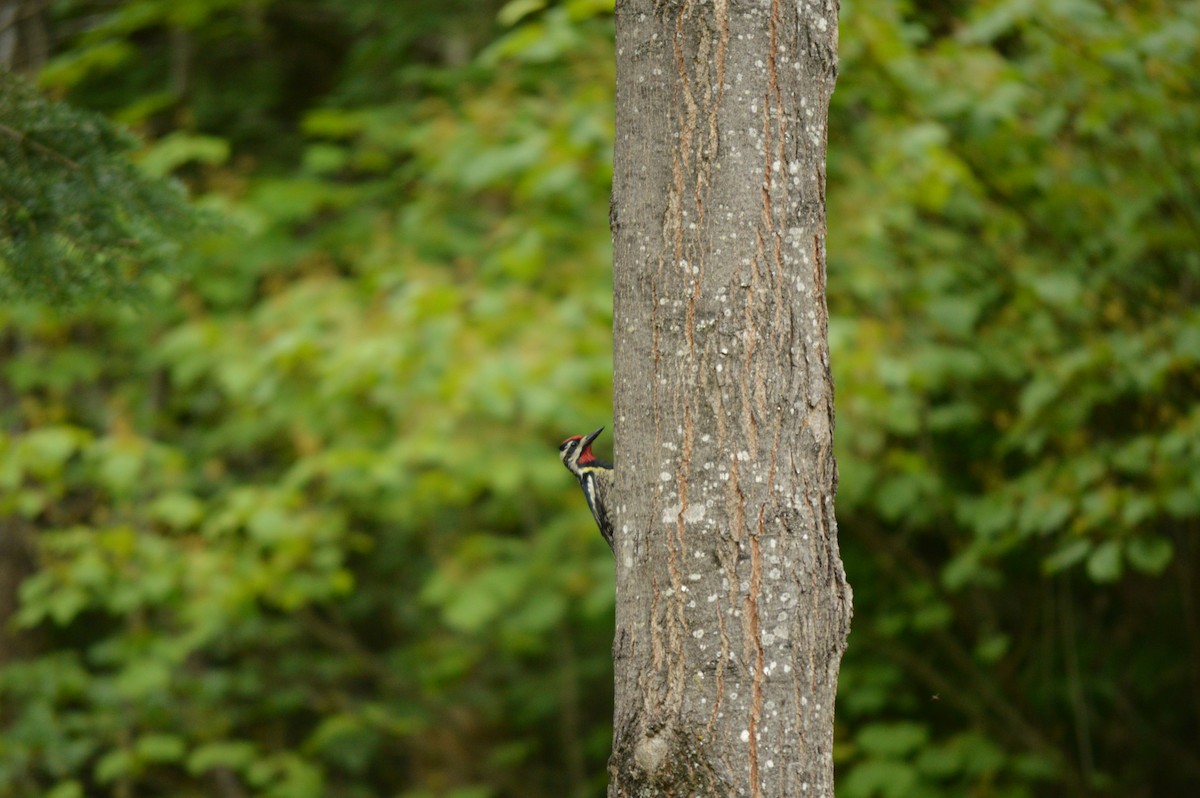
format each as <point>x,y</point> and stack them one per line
<point>594,475</point>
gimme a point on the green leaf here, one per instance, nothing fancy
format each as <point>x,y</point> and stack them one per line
<point>897,496</point>
<point>1150,555</point>
<point>176,149</point>
<point>177,510</point>
<point>1069,554</point>
<point>114,765</point>
<point>892,739</point>
<point>44,451</point>
<point>236,755</point>
<point>514,11</point>
<point>879,777</point>
<point>66,789</point>
<point>992,648</point>
<point>1104,563</point>
<point>932,615</point>
<point>968,568</point>
<point>159,748</point>
<point>940,761</point>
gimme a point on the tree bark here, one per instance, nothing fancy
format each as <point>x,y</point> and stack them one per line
<point>732,604</point>
<point>24,35</point>
<point>16,563</point>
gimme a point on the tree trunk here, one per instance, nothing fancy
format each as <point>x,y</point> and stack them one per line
<point>16,563</point>
<point>732,605</point>
<point>24,35</point>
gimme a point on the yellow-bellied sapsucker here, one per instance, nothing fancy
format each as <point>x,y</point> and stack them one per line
<point>594,475</point>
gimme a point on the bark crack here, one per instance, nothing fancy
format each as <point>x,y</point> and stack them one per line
<point>756,655</point>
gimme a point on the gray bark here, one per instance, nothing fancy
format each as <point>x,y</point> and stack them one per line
<point>732,604</point>
<point>24,35</point>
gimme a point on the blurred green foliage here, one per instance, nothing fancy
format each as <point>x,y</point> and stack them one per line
<point>298,522</point>
<point>77,218</point>
<point>1015,314</point>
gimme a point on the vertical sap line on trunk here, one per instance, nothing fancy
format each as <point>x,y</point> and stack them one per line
<point>774,90</point>
<point>817,356</point>
<point>774,175</point>
<point>756,655</point>
<point>780,166</point>
<point>676,551</point>
<point>774,456</point>
<point>687,121</point>
<point>748,364</point>
<point>656,645</point>
<point>719,695</point>
<point>766,218</point>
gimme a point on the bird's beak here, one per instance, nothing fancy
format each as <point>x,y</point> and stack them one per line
<point>588,440</point>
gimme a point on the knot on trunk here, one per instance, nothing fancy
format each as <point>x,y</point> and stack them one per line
<point>651,753</point>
